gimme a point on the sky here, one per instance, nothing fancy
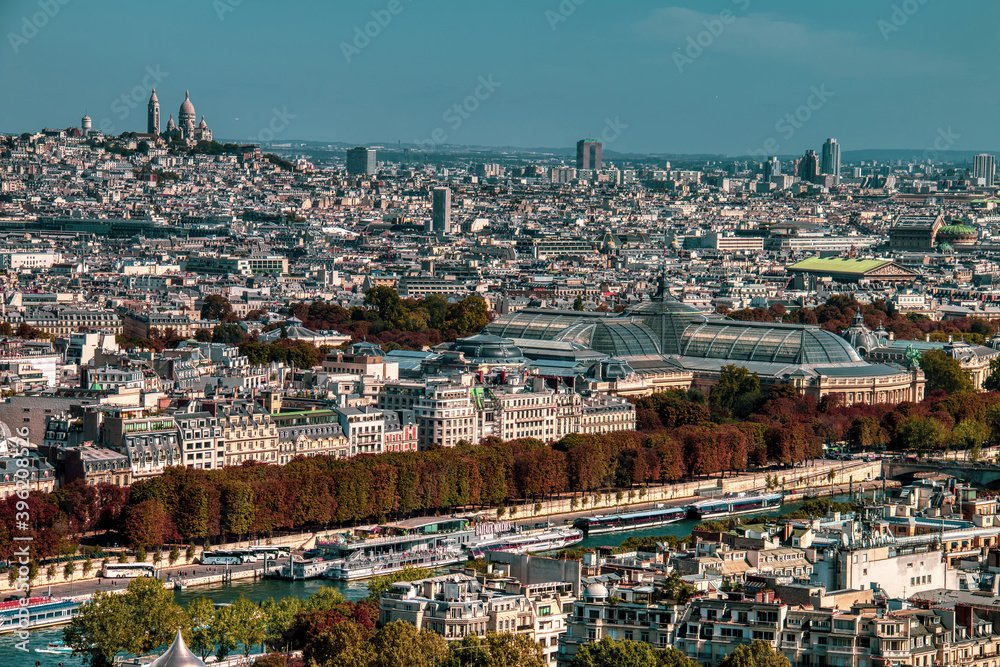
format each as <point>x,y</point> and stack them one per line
<point>731,77</point>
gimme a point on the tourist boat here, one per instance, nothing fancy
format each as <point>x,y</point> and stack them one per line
<point>611,523</point>
<point>360,566</point>
<point>739,503</point>
<point>36,612</point>
<point>57,646</point>
<point>528,541</point>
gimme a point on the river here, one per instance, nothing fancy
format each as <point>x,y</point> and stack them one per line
<point>262,589</point>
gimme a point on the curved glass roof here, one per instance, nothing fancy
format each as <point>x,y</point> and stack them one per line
<point>613,335</point>
<point>772,343</point>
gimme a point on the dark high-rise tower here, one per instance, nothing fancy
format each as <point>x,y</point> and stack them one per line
<point>441,211</point>
<point>831,159</point>
<point>588,154</point>
<point>153,114</point>
<point>808,166</point>
<point>360,160</point>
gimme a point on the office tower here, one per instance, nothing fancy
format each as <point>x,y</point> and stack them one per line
<point>808,166</point>
<point>984,166</point>
<point>441,211</point>
<point>588,154</point>
<point>153,114</point>
<point>771,168</point>
<point>831,159</point>
<point>360,160</point>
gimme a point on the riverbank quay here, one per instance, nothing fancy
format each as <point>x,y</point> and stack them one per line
<point>819,477</point>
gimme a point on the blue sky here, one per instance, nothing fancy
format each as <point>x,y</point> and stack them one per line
<point>872,74</point>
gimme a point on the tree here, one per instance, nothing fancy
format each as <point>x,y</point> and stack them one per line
<point>865,433</point>
<point>246,624</point>
<point>144,524</point>
<point>237,508</point>
<point>992,381</point>
<point>399,643</point>
<point>279,617</point>
<point>969,436</point>
<point>324,599</point>
<point>757,654</point>
<point>326,648</point>
<point>578,303</point>
<point>228,334</point>
<point>216,307</point>
<point>735,382</point>
<point>922,433</point>
<point>387,306</point>
<point>201,613</point>
<point>673,657</point>
<point>496,650</point>
<point>611,653</point>
<point>143,619</point>
<point>944,373</point>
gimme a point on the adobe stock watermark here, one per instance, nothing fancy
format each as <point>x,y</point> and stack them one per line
<point>30,25</point>
<point>613,129</point>
<point>793,121</point>
<point>899,16</point>
<point>456,115</point>
<point>944,140</point>
<point>714,28</point>
<point>277,124</point>
<point>562,13</point>
<point>363,36</point>
<point>137,97</point>
<point>22,554</point>
<point>223,7</point>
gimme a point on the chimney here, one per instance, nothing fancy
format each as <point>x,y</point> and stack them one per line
<point>892,335</point>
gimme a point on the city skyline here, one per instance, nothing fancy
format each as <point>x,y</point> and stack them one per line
<point>671,80</point>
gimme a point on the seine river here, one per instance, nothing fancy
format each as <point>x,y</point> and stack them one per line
<point>263,589</point>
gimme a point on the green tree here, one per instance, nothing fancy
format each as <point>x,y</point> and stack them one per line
<point>922,433</point>
<point>387,306</point>
<point>944,373</point>
<point>992,381</point>
<point>968,436</point>
<point>496,650</point>
<point>238,508</point>
<point>578,303</point>
<point>865,433</point>
<point>228,334</point>
<point>736,383</point>
<point>279,617</point>
<point>216,307</point>
<point>757,654</point>
<point>611,653</point>
<point>101,630</point>
<point>174,556</point>
<point>247,624</point>
<point>334,644</point>
<point>143,619</point>
<point>673,657</point>
<point>399,643</point>
<point>201,614</point>
<point>324,599</point>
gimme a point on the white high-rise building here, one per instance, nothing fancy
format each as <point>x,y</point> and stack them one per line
<point>984,166</point>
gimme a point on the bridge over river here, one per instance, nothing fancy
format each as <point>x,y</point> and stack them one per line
<point>983,475</point>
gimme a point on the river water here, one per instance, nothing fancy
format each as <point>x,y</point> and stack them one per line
<point>262,589</point>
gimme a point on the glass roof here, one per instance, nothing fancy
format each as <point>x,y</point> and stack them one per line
<point>772,343</point>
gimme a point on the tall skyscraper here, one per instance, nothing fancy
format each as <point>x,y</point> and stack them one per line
<point>588,154</point>
<point>808,166</point>
<point>441,211</point>
<point>360,160</point>
<point>771,168</point>
<point>831,159</point>
<point>153,114</point>
<point>984,166</point>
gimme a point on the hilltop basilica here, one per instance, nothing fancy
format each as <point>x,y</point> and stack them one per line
<point>185,129</point>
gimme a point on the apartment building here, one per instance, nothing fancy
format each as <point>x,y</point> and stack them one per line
<point>141,323</point>
<point>66,321</point>
<point>445,412</point>
<point>310,433</point>
<point>247,430</point>
<point>362,359</point>
<point>460,605</point>
<point>364,429</point>
<point>203,445</point>
<point>149,441</point>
